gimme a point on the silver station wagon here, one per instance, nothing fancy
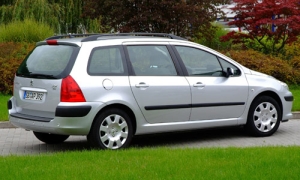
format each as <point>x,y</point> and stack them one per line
<point>110,87</point>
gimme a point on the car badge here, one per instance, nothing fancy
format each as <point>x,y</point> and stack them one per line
<point>31,82</point>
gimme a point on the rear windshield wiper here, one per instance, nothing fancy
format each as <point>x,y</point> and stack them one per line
<point>48,76</point>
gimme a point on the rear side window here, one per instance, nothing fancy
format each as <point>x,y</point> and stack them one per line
<point>48,62</point>
<point>106,61</point>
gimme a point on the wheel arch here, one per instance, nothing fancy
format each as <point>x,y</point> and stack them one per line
<point>270,94</point>
<point>118,106</point>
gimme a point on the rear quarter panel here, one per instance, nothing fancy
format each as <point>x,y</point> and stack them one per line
<point>94,87</point>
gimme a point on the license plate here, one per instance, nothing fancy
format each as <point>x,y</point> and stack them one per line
<point>35,96</point>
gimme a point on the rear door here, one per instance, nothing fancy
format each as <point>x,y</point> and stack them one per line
<point>162,94</point>
<point>38,79</point>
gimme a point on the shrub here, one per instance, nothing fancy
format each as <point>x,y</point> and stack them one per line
<point>290,51</point>
<point>214,41</point>
<point>295,65</point>
<point>11,55</point>
<point>253,44</point>
<point>25,31</point>
<point>268,64</point>
<point>287,53</point>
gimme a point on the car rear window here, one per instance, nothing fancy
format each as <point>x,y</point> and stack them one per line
<point>48,62</point>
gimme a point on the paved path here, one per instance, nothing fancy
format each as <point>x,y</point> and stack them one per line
<point>17,141</point>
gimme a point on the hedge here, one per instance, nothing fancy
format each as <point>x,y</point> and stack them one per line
<point>285,70</point>
<point>12,54</point>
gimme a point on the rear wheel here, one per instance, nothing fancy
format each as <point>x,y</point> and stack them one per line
<point>264,116</point>
<point>50,138</point>
<point>111,130</point>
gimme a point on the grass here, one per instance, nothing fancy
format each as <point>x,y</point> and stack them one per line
<point>158,163</point>
<point>3,107</point>
<point>25,31</point>
<point>296,93</point>
<point>4,98</point>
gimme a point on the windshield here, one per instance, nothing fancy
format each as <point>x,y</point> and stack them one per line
<point>48,62</point>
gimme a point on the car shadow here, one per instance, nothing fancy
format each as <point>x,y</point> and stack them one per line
<point>152,140</point>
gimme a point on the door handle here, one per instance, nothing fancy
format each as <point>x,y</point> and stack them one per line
<point>141,85</point>
<point>199,84</point>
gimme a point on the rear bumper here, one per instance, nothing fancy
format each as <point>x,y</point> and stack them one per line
<point>58,125</point>
<point>69,119</point>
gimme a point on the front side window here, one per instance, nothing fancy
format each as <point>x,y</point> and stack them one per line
<point>151,60</point>
<point>199,62</point>
<point>225,64</point>
<point>106,61</point>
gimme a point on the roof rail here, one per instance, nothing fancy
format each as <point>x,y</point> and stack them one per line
<point>96,36</point>
<point>93,37</point>
<point>70,36</point>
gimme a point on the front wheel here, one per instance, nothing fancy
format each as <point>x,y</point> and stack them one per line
<point>264,116</point>
<point>50,138</point>
<point>111,130</point>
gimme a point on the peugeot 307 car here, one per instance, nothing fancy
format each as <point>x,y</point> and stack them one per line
<point>111,87</point>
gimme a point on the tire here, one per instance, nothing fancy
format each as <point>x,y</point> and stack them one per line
<point>264,117</point>
<point>112,129</point>
<point>50,138</point>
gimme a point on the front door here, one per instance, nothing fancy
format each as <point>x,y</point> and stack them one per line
<point>214,96</point>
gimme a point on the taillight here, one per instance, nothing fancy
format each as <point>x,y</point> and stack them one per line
<point>51,42</point>
<point>70,91</point>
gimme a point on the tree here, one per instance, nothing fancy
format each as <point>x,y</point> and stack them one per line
<point>179,17</point>
<point>270,23</point>
<point>62,15</point>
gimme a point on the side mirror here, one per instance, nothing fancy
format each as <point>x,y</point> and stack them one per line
<point>229,72</point>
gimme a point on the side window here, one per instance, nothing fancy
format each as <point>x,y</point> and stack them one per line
<point>151,60</point>
<point>225,65</point>
<point>106,61</point>
<point>199,62</point>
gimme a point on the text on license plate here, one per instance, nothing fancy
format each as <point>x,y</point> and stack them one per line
<point>36,96</point>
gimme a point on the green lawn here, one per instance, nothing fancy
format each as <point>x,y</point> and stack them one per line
<point>158,163</point>
<point>3,107</point>
<point>296,93</point>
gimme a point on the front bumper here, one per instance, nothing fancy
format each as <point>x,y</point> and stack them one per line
<point>287,105</point>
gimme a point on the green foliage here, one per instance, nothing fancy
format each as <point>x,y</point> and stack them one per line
<point>271,65</point>
<point>291,51</point>
<point>39,10</point>
<point>213,41</point>
<point>266,45</point>
<point>64,16</point>
<point>94,26</point>
<point>11,56</point>
<point>25,31</point>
